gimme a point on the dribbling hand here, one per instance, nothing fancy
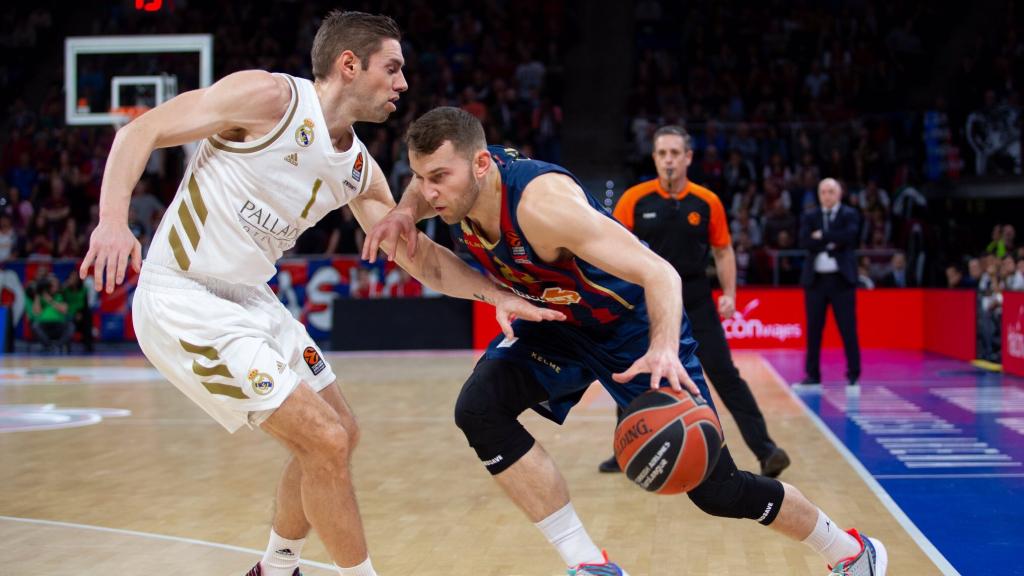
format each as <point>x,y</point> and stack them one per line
<point>660,364</point>
<point>110,248</point>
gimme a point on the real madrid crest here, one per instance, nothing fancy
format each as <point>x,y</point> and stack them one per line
<point>304,134</point>
<point>261,382</point>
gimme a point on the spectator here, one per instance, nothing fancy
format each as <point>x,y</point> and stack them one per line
<point>8,238</point>
<point>712,170</point>
<point>56,209</point>
<point>70,244</point>
<point>789,265</point>
<point>744,257</point>
<point>990,314</point>
<point>745,144</point>
<point>739,173</point>
<point>21,210</point>
<point>897,276</point>
<point>864,279</point>
<point>1009,238</point>
<point>1008,274</point>
<point>872,197</point>
<point>77,297</point>
<point>954,277</point>
<point>1016,281</point>
<point>50,322</point>
<point>998,244</point>
<point>750,200</point>
<point>148,209</point>
<point>974,273</point>
<point>778,220</point>
<point>744,224</point>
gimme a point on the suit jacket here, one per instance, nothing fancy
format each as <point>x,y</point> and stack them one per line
<point>889,280</point>
<point>840,240</point>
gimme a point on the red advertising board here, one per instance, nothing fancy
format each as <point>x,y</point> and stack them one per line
<point>1013,332</point>
<point>950,323</point>
<point>775,318</point>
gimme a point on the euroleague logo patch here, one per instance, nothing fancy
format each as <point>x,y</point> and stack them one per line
<point>693,218</point>
<point>357,168</point>
<point>261,382</point>
<point>313,360</point>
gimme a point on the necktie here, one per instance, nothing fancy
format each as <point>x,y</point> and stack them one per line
<point>828,219</point>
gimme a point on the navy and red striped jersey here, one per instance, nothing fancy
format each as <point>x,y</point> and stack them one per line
<point>587,295</point>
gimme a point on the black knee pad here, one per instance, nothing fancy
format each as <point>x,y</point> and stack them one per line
<point>732,493</point>
<point>488,408</point>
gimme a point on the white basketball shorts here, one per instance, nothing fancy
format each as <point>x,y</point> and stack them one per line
<point>233,349</point>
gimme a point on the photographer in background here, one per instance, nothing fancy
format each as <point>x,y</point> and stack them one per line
<point>50,321</point>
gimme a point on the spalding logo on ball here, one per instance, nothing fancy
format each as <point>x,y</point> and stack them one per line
<point>668,442</point>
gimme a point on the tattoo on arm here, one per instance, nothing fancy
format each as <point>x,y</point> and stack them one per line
<point>484,298</point>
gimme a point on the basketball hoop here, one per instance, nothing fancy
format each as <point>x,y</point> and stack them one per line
<point>125,114</point>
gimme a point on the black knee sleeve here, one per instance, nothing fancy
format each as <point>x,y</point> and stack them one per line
<point>732,493</point>
<point>488,408</point>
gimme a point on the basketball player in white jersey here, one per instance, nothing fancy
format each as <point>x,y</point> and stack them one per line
<point>276,154</point>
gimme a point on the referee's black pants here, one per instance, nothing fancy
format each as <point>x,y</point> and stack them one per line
<point>714,355</point>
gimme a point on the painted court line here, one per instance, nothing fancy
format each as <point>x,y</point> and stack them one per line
<point>943,476</point>
<point>922,541</point>
<point>156,537</point>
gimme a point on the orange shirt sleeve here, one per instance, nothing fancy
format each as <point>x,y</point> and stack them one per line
<point>718,230</point>
<point>626,206</point>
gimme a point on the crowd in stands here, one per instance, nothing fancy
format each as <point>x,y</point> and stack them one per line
<point>1000,267</point>
<point>780,95</point>
<point>502,62</point>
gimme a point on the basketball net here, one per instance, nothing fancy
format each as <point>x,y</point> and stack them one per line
<point>126,114</point>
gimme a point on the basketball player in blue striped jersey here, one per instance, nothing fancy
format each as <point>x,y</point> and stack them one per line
<point>276,153</point>
<point>532,226</point>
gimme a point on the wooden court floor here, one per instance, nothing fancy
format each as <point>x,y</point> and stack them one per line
<point>111,493</point>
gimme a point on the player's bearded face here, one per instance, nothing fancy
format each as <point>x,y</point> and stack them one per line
<point>465,191</point>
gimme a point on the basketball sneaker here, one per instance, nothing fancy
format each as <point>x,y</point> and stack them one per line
<point>604,569</point>
<point>775,463</point>
<point>257,570</point>
<point>873,559</point>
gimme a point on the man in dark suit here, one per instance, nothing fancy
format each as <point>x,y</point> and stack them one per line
<point>897,276</point>
<point>829,276</point>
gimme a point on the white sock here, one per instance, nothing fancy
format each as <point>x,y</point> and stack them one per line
<point>566,532</point>
<point>282,555</point>
<point>364,569</point>
<point>831,541</point>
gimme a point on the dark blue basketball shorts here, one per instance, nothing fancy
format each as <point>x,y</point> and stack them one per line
<point>566,359</point>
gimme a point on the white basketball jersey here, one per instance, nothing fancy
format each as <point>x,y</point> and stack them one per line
<point>240,205</point>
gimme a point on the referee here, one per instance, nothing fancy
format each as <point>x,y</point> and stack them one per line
<point>681,222</point>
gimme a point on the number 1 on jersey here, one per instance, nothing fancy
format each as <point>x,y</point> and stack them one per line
<point>312,199</point>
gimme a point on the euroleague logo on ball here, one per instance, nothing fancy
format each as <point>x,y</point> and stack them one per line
<point>313,360</point>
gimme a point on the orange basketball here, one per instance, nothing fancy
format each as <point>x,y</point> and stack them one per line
<point>668,441</point>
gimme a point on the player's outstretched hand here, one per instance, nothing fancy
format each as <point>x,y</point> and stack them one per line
<point>396,224</point>
<point>509,307</point>
<point>110,248</point>
<point>659,364</point>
